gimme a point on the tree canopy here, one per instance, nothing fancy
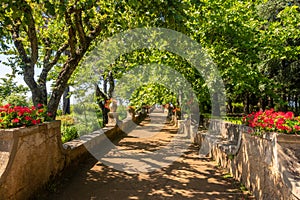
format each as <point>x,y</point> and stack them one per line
<point>255,44</point>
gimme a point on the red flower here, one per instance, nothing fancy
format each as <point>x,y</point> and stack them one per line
<point>289,115</point>
<point>40,110</point>
<point>40,105</point>
<point>297,127</point>
<point>7,106</point>
<point>27,118</point>
<point>18,116</point>
<point>279,121</point>
<point>270,120</point>
<point>16,120</point>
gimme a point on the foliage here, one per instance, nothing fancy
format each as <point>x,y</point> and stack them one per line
<point>68,133</point>
<point>66,120</point>
<point>11,93</point>
<point>271,121</point>
<point>87,122</point>
<point>234,120</point>
<point>87,115</point>
<point>56,35</point>
<point>9,87</point>
<point>19,116</point>
<point>238,107</point>
<point>255,45</point>
<point>248,40</point>
<point>151,94</point>
<point>15,99</point>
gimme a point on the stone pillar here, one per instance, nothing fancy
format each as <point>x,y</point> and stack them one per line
<point>131,113</point>
<point>181,124</point>
<point>113,118</point>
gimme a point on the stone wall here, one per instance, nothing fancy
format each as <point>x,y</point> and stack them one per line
<point>267,165</point>
<point>30,157</point>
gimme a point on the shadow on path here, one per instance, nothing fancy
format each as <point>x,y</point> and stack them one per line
<point>189,177</point>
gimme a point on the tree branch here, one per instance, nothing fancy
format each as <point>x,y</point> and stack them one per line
<point>58,54</point>
<point>48,52</point>
<point>111,84</point>
<point>28,69</point>
<point>18,43</point>
<point>93,34</point>
<point>31,33</point>
<point>105,85</point>
<point>79,28</point>
<point>99,93</point>
<point>48,65</point>
<point>72,33</point>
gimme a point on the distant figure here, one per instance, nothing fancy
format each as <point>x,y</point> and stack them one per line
<point>166,107</point>
<point>170,111</point>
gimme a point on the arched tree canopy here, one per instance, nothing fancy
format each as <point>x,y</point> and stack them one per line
<point>255,44</point>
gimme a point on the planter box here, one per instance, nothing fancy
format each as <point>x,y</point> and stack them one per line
<point>284,138</point>
<point>29,157</point>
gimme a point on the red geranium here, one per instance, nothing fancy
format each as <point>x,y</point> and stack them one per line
<point>16,120</point>
<point>17,116</point>
<point>270,120</point>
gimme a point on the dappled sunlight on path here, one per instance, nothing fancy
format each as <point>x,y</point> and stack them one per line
<point>186,177</point>
<point>149,147</point>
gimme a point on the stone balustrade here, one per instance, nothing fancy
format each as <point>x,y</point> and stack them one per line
<point>268,165</point>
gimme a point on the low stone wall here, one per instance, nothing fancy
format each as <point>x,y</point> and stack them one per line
<point>268,166</point>
<point>30,157</point>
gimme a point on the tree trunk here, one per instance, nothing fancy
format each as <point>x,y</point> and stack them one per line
<point>296,105</point>
<point>246,104</point>
<point>216,106</point>
<point>105,112</point>
<point>101,99</point>
<point>66,101</point>
<point>62,83</point>
<point>285,99</point>
<point>272,103</point>
<point>230,107</point>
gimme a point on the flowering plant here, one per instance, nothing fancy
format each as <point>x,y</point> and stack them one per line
<point>271,121</point>
<point>21,116</point>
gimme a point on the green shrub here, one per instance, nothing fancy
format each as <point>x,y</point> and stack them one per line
<point>87,122</point>
<point>234,120</point>
<point>66,120</point>
<point>238,107</point>
<point>68,133</point>
<point>78,109</point>
<point>15,99</point>
<point>59,112</point>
